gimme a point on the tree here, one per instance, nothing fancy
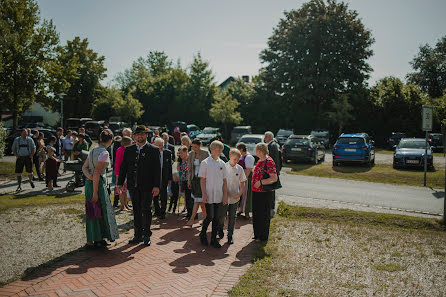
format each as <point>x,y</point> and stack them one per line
<point>244,92</point>
<point>77,72</point>
<point>430,69</point>
<point>341,113</point>
<point>223,111</point>
<point>315,53</point>
<point>113,103</point>
<point>27,46</point>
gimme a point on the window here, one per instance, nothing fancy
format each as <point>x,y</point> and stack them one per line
<point>351,140</point>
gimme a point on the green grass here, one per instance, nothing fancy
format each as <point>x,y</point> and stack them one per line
<point>380,173</point>
<point>389,267</point>
<point>390,152</point>
<point>11,201</point>
<point>355,217</point>
<point>7,170</point>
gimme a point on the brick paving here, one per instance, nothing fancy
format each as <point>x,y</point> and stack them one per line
<point>174,265</point>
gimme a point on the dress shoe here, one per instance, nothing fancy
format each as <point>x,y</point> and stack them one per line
<point>204,240</point>
<point>230,240</point>
<point>147,241</point>
<point>135,240</point>
<point>32,184</point>
<point>221,235</point>
<point>215,244</point>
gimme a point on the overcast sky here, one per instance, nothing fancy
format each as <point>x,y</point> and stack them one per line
<point>230,34</point>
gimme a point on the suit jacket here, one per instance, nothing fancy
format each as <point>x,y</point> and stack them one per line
<point>143,170</point>
<point>166,172</point>
<point>274,153</point>
<point>171,148</point>
<point>190,162</point>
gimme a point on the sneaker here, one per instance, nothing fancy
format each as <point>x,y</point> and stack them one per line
<point>19,188</point>
<point>215,244</point>
<point>221,234</point>
<point>147,241</point>
<point>230,240</point>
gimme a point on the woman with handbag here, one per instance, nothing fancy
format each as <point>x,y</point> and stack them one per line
<point>196,156</point>
<point>100,219</point>
<point>264,182</point>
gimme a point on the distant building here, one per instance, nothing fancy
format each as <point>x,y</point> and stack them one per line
<point>224,85</point>
<point>36,113</point>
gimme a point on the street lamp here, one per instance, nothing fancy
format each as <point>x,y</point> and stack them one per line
<point>61,95</point>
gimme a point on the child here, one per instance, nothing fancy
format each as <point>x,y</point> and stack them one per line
<point>125,142</point>
<point>236,186</point>
<point>175,188</point>
<point>51,167</point>
<point>213,182</point>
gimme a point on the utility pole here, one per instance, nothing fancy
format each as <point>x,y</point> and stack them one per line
<point>61,96</point>
<point>427,115</point>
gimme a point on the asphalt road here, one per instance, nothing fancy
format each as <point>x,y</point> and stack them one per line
<point>397,198</point>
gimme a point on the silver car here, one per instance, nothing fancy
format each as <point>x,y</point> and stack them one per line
<point>251,140</point>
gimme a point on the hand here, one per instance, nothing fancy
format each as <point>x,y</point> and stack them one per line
<point>205,199</point>
<point>89,176</point>
<point>119,189</point>
<point>155,191</point>
<point>189,186</point>
<point>257,184</point>
<point>94,198</point>
<point>225,200</point>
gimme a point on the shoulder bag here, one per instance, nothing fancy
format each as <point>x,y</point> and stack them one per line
<point>272,187</point>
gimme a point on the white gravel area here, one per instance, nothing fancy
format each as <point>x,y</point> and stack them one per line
<point>31,236</point>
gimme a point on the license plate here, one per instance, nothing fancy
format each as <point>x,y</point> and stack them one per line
<point>296,149</point>
<point>350,150</point>
<point>412,161</point>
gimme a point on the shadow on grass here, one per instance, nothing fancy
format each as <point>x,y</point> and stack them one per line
<point>352,168</point>
<point>57,194</point>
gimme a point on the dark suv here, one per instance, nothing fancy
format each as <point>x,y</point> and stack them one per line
<point>357,147</point>
<point>436,142</point>
<point>395,139</point>
<point>94,128</point>
<point>303,147</point>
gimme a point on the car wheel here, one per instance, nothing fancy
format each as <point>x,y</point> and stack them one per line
<point>335,164</point>
<point>395,166</point>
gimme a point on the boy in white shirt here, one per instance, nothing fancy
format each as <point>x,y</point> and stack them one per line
<point>214,190</point>
<point>236,187</point>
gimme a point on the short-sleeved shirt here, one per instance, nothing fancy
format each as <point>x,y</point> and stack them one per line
<point>79,147</point>
<point>260,169</point>
<point>215,172</point>
<point>236,175</point>
<point>67,143</point>
<point>23,147</point>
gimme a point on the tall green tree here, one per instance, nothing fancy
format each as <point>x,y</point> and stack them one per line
<point>27,46</point>
<point>77,72</point>
<point>341,113</point>
<point>244,93</point>
<point>430,69</point>
<point>224,111</point>
<point>316,53</point>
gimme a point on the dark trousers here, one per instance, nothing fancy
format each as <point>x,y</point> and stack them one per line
<point>142,212</point>
<point>175,187</point>
<point>36,164</point>
<point>261,213</point>
<point>189,201</point>
<point>55,179</point>
<point>160,210</point>
<point>213,213</point>
<point>230,211</point>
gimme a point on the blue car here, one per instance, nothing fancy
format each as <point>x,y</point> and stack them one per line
<point>356,147</point>
<point>410,153</point>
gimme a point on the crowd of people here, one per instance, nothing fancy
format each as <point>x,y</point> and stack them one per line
<point>223,183</point>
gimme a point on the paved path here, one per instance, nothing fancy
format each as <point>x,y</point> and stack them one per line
<point>357,193</point>
<point>174,265</point>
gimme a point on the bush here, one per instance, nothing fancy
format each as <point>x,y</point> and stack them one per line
<point>2,140</point>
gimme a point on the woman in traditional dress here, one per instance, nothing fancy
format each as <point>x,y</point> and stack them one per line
<point>96,191</point>
<point>247,162</point>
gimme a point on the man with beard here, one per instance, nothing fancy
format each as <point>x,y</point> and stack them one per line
<point>142,168</point>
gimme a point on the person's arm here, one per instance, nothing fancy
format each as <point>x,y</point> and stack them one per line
<point>124,167</point>
<point>85,168</point>
<point>190,170</point>
<point>156,165</point>
<point>169,172</point>
<point>202,175</point>
<point>100,166</point>
<point>225,191</point>
<point>271,169</point>
<point>33,148</point>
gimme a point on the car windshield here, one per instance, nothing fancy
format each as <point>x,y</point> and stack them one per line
<point>417,144</point>
<point>285,133</point>
<point>351,140</point>
<point>241,130</point>
<point>250,140</point>
<point>209,131</point>
<point>300,141</point>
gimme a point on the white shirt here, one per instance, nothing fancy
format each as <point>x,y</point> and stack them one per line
<point>236,175</point>
<point>215,172</point>
<point>139,148</point>
<point>249,161</point>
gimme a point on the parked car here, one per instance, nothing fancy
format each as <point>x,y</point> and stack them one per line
<point>207,134</point>
<point>116,127</point>
<point>181,125</point>
<point>436,142</point>
<point>356,147</point>
<point>73,123</point>
<point>395,139</point>
<point>238,132</point>
<point>193,131</point>
<point>410,153</point>
<point>323,135</point>
<point>10,139</point>
<point>282,135</point>
<point>94,128</point>
<point>303,148</point>
<point>251,140</point>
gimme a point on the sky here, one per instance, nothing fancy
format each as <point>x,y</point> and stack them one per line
<point>230,34</point>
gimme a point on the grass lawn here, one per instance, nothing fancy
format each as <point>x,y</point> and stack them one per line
<point>321,252</point>
<point>7,170</point>
<point>380,173</point>
<point>16,201</point>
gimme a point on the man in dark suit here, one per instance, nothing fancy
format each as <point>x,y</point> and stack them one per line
<point>142,168</point>
<point>166,179</point>
<point>167,145</point>
<point>276,155</point>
